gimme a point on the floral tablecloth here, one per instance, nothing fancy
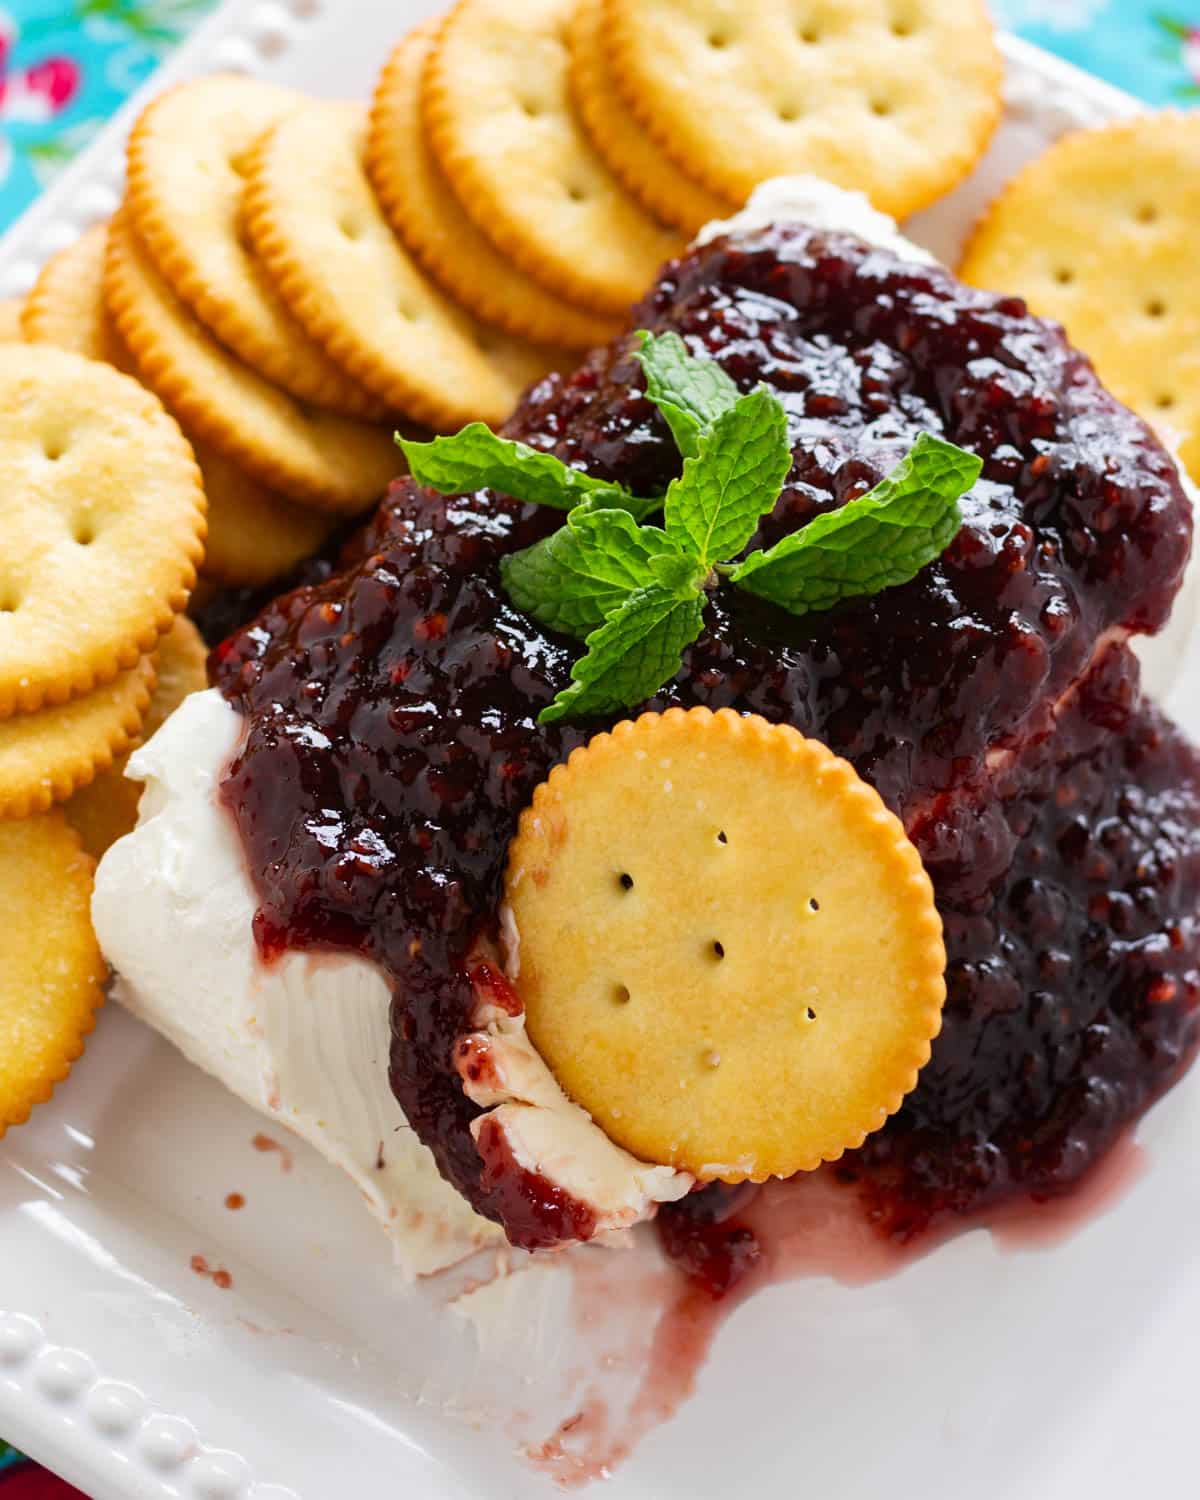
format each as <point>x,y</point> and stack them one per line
<point>65,66</point>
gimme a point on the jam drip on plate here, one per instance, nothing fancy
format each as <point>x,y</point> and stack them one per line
<point>1073,947</point>
<point>392,737</point>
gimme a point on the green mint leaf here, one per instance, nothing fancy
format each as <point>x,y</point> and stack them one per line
<point>573,580</point>
<point>882,539</point>
<point>690,393</point>
<point>630,657</point>
<point>713,509</point>
<point>476,458</point>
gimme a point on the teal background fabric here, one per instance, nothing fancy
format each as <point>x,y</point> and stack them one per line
<point>65,66</point>
<point>1149,47</point>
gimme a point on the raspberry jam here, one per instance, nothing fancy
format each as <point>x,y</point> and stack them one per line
<point>392,738</point>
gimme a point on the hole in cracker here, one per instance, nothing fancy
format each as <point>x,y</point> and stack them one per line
<point>722,837</point>
<point>902,28</point>
<point>532,108</point>
<point>809,35</point>
<point>788,112</point>
<point>1147,213</point>
<point>83,531</point>
<point>1164,402</point>
<point>271,42</point>
<point>881,107</point>
<point>576,193</point>
<point>53,447</point>
<point>10,599</point>
<point>810,1014</point>
<point>1156,308</point>
<point>718,40</point>
<point>718,949</point>
<point>625,881</point>
<point>813,904</point>
<point>1064,276</point>
<point>620,994</point>
<point>351,227</point>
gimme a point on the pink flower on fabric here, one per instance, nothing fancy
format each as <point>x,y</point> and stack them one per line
<point>34,94</point>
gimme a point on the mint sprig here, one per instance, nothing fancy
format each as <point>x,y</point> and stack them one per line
<point>880,540</point>
<point>476,458</point>
<point>634,592</point>
<point>636,650</point>
<point>690,393</point>
<point>581,574</point>
<point>713,509</point>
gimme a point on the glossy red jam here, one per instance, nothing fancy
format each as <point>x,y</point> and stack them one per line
<point>392,736</point>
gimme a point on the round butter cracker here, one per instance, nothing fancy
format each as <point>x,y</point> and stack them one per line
<point>632,155</point>
<point>11,309</point>
<point>1099,233</point>
<point>51,969</point>
<point>895,98</point>
<point>101,524</point>
<point>186,168</point>
<point>497,108</point>
<point>314,457</point>
<point>50,753</point>
<point>254,535</point>
<point>727,948</point>
<point>440,234</point>
<point>107,809</point>
<point>320,232</point>
<point>66,306</point>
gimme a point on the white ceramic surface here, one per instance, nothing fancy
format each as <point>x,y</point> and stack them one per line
<point>1057,1374</point>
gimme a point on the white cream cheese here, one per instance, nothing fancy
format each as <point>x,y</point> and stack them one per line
<point>806,199</point>
<point>547,1132</point>
<point>304,1039</point>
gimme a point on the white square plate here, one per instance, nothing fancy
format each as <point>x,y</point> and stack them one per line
<point>1059,1374</point>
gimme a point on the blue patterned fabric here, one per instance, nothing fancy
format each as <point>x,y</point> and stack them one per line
<point>65,66</point>
<point>1151,48</point>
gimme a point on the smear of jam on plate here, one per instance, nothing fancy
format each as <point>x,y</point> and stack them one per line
<point>392,738</point>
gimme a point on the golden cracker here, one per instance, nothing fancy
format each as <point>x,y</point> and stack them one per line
<point>728,950</point>
<point>50,753</point>
<point>319,230</point>
<point>312,456</point>
<point>107,809</point>
<point>186,164</point>
<point>10,320</point>
<point>895,98</point>
<point>439,234</point>
<point>254,535</point>
<point>66,308</point>
<point>51,969</point>
<point>642,167</point>
<point>101,524</point>
<point>1099,233</point>
<point>498,112</point>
